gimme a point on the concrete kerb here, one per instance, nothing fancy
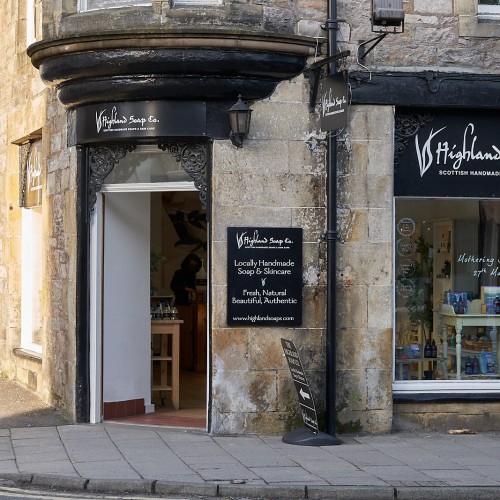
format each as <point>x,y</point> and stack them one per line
<point>448,492</point>
<point>173,488</point>
<point>122,486</point>
<point>63,482</point>
<point>352,493</point>
<point>262,491</point>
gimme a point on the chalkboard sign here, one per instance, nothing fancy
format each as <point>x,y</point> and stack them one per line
<point>264,276</point>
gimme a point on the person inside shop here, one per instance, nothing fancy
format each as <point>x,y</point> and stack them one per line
<point>183,285</point>
<point>183,282</point>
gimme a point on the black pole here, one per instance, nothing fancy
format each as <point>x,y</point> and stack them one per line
<point>331,240</point>
<point>82,383</point>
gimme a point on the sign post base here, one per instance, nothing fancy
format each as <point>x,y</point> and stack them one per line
<point>306,437</point>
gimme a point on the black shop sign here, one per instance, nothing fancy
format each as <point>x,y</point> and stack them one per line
<point>264,276</point>
<point>449,154</point>
<point>140,120</point>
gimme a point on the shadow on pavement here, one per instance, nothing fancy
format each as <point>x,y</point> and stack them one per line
<point>20,407</point>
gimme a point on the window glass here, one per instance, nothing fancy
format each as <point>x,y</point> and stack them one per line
<point>447,272</point>
<point>31,279</point>
<point>109,4</point>
<point>147,164</point>
<point>489,7</point>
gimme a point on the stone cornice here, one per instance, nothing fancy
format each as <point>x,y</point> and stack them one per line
<point>189,64</point>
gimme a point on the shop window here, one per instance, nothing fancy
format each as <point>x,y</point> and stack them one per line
<point>478,18</point>
<point>447,289</point>
<point>31,253</point>
<point>85,5</point>
<point>447,252</point>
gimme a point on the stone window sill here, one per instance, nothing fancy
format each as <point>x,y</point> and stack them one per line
<point>27,354</point>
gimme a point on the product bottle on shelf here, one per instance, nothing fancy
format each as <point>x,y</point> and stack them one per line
<point>468,367</point>
<point>434,349</point>
<point>428,349</point>
<point>475,366</point>
<point>496,302</point>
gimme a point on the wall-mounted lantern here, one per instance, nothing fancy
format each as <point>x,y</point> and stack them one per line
<point>239,117</point>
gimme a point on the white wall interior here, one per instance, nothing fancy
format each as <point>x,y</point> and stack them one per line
<point>126,315</point>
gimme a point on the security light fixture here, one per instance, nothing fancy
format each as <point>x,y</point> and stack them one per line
<point>387,15</point>
<point>239,117</point>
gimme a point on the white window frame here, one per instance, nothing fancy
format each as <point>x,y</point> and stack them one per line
<point>83,5</point>
<point>30,21</point>
<point>188,3</point>
<point>473,23</point>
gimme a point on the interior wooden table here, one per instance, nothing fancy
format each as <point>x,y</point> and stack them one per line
<point>458,321</point>
<point>168,330</point>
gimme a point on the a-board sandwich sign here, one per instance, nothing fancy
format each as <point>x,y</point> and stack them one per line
<point>264,276</point>
<point>302,387</point>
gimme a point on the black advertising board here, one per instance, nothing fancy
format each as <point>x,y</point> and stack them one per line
<point>264,276</point>
<point>449,154</point>
<point>333,95</point>
<point>304,393</point>
<point>142,119</point>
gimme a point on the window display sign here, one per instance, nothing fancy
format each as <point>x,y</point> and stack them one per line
<point>32,176</point>
<point>131,120</point>
<point>447,155</point>
<point>264,276</point>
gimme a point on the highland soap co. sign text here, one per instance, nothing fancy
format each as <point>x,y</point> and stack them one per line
<point>451,155</point>
<point>264,269</point>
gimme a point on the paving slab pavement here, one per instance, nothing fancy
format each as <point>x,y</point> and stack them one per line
<point>39,448</point>
<point>166,461</point>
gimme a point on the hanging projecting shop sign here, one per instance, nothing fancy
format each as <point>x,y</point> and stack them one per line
<point>264,276</point>
<point>332,97</point>
<point>447,155</point>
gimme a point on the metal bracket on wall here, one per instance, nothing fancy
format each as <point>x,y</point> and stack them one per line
<point>314,73</point>
<point>194,160</point>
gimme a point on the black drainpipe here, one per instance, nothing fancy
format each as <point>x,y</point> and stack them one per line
<point>331,240</point>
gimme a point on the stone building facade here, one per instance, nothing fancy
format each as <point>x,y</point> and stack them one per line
<point>84,54</point>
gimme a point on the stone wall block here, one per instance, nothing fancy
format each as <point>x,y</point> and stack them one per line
<point>314,306</point>
<point>257,157</point>
<point>351,262</point>
<point>241,216</point>
<point>380,153</point>
<point>380,307</point>
<point>378,388</point>
<point>280,121</point>
<point>442,37</point>
<point>380,225</point>
<point>377,349</point>
<point>350,344</point>
<point>244,391</point>
<point>312,222</point>
<point>295,90</point>
<point>371,123</point>
<point>443,7</point>
<point>289,190</point>
<point>231,346</point>
<point>352,189</point>
<point>219,306</point>
<point>313,265</point>
<point>279,20</point>
<point>352,306</point>
<point>352,225</point>
<point>307,157</point>
<point>379,191</point>
<point>351,391</point>
<point>218,260</point>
